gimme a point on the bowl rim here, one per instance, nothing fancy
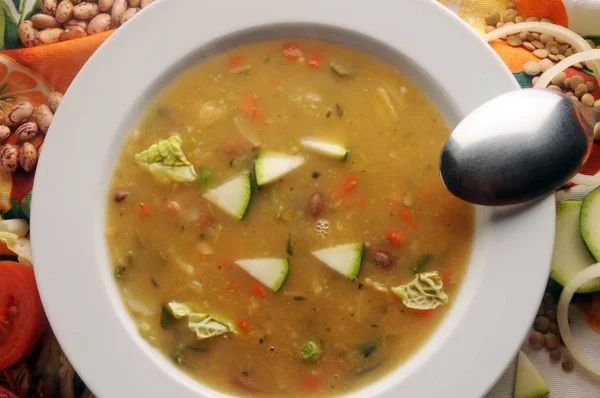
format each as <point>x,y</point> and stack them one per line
<point>82,311</point>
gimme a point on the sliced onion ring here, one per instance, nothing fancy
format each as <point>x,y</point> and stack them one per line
<point>591,272</point>
<point>546,77</point>
<point>557,31</point>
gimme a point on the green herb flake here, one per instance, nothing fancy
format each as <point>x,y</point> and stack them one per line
<point>408,200</point>
<point>299,298</point>
<point>154,282</point>
<point>315,174</point>
<point>166,319</point>
<point>204,178</point>
<point>421,262</point>
<point>311,351</point>
<point>119,271</point>
<point>339,110</point>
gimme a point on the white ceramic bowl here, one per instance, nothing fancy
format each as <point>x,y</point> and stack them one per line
<point>510,261</point>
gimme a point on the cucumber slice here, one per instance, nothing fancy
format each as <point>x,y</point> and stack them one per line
<point>588,222</point>
<point>234,196</point>
<point>345,259</point>
<point>529,383</point>
<point>330,149</point>
<point>570,254</point>
<point>270,166</point>
<point>271,272</point>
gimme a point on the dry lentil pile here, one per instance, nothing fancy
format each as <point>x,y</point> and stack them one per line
<point>549,50</point>
<point>546,332</point>
<point>73,19</point>
<point>25,121</point>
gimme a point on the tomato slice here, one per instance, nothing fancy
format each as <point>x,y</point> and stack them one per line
<point>22,318</point>
<point>4,393</point>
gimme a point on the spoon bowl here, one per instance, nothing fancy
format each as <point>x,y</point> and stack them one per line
<point>517,147</point>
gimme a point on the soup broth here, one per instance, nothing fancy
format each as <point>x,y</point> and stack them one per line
<point>288,288</point>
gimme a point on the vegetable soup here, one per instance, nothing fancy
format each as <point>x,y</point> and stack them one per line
<point>277,224</point>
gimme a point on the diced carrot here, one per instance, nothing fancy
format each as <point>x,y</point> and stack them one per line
<point>446,277</point>
<point>424,314</point>
<point>243,325</point>
<point>237,64</point>
<point>311,383</point>
<point>315,59</point>
<point>247,102</point>
<point>258,291</point>
<point>205,219</point>
<point>408,219</point>
<point>291,52</point>
<point>257,114</point>
<point>173,208</point>
<point>350,183</point>
<point>395,238</point>
<point>144,211</point>
<point>363,202</point>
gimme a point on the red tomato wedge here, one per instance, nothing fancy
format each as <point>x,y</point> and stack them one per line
<point>291,52</point>
<point>22,318</point>
<point>4,393</point>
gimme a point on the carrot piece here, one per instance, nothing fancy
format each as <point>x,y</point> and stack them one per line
<point>408,219</point>
<point>243,325</point>
<point>247,102</point>
<point>257,114</point>
<point>258,291</point>
<point>315,60</point>
<point>350,183</point>
<point>363,202</point>
<point>144,211</point>
<point>446,277</point>
<point>291,52</point>
<point>311,383</point>
<point>395,238</point>
<point>424,314</point>
<point>236,64</point>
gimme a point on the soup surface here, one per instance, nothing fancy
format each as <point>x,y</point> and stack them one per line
<point>345,259</point>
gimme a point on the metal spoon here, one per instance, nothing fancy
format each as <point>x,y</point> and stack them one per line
<point>517,147</point>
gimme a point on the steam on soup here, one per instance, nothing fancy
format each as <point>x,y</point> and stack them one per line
<point>277,224</point>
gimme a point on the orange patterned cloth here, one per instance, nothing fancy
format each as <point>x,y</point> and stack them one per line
<point>29,74</point>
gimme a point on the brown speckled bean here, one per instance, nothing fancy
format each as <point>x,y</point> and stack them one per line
<point>85,10</point>
<point>105,5</point>
<point>48,36</point>
<point>19,114</point>
<point>28,156</point>
<point>26,131</point>
<point>53,100</point>
<point>145,3</point>
<point>4,133</point>
<point>27,33</point>
<point>118,8</point>
<point>43,116</point>
<point>64,11</point>
<point>128,14</point>
<point>9,159</point>
<point>43,21</point>
<point>100,23</point>
<point>48,6</point>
